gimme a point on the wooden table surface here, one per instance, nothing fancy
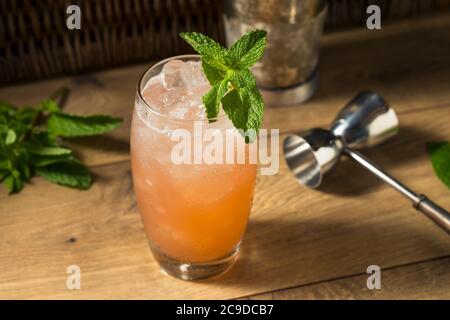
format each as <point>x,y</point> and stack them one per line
<point>300,243</point>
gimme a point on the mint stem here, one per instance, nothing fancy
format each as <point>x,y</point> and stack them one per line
<point>60,96</point>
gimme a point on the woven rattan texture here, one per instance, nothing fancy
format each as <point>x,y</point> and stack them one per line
<point>35,42</point>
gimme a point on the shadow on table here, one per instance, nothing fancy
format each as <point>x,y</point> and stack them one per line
<point>277,253</point>
<point>308,249</point>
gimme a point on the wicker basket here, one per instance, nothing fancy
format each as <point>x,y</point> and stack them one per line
<point>35,42</point>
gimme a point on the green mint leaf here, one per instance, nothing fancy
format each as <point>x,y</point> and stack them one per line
<point>439,153</point>
<point>49,106</point>
<point>25,171</point>
<point>6,165</point>
<point>26,114</point>
<point>6,105</point>
<point>13,184</point>
<point>22,170</point>
<point>48,151</point>
<point>212,99</point>
<point>15,173</point>
<point>68,126</point>
<point>211,51</point>
<point>7,113</point>
<point>11,137</point>
<point>244,106</point>
<point>29,143</point>
<point>43,138</point>
<point>3,174</point>
<point>9,183</point>
<point>241,100</point>
<point>7,108</point>
<point>212,74</point>
<point>243,79</point>
<point>69,173</point>
<point>248,49</point>
<point>42,161</point>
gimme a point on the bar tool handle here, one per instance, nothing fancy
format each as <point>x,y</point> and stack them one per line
<point>438,215</point>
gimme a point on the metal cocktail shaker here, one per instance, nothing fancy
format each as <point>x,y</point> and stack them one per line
<point>287,74</point>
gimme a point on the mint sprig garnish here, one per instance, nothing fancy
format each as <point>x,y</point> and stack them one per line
<point>30,143</point>
<point>233,84</point>
<point>439,153</point>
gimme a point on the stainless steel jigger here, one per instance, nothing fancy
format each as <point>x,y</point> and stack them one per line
<point>364,122</point>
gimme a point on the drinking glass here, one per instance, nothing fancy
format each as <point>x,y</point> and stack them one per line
<point>194,214</point>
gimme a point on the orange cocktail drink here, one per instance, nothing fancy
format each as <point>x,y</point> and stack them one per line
<point>194,213</point>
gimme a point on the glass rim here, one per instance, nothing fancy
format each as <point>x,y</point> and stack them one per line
<point>151,108</point>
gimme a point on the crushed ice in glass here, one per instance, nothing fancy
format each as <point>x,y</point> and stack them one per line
<point>177,91</point>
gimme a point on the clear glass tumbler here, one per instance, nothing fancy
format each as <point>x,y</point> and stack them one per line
<point>194,214</point>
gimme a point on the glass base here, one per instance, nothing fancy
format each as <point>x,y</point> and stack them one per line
<point>194,270</point>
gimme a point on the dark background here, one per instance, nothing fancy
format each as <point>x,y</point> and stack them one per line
<point>35,42</point>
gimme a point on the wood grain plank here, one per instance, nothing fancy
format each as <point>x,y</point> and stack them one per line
<point>108,92</point>
<point>421,281</point>
<point>296,236</point>
<point>407,62</point>
<point>262,296</point>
